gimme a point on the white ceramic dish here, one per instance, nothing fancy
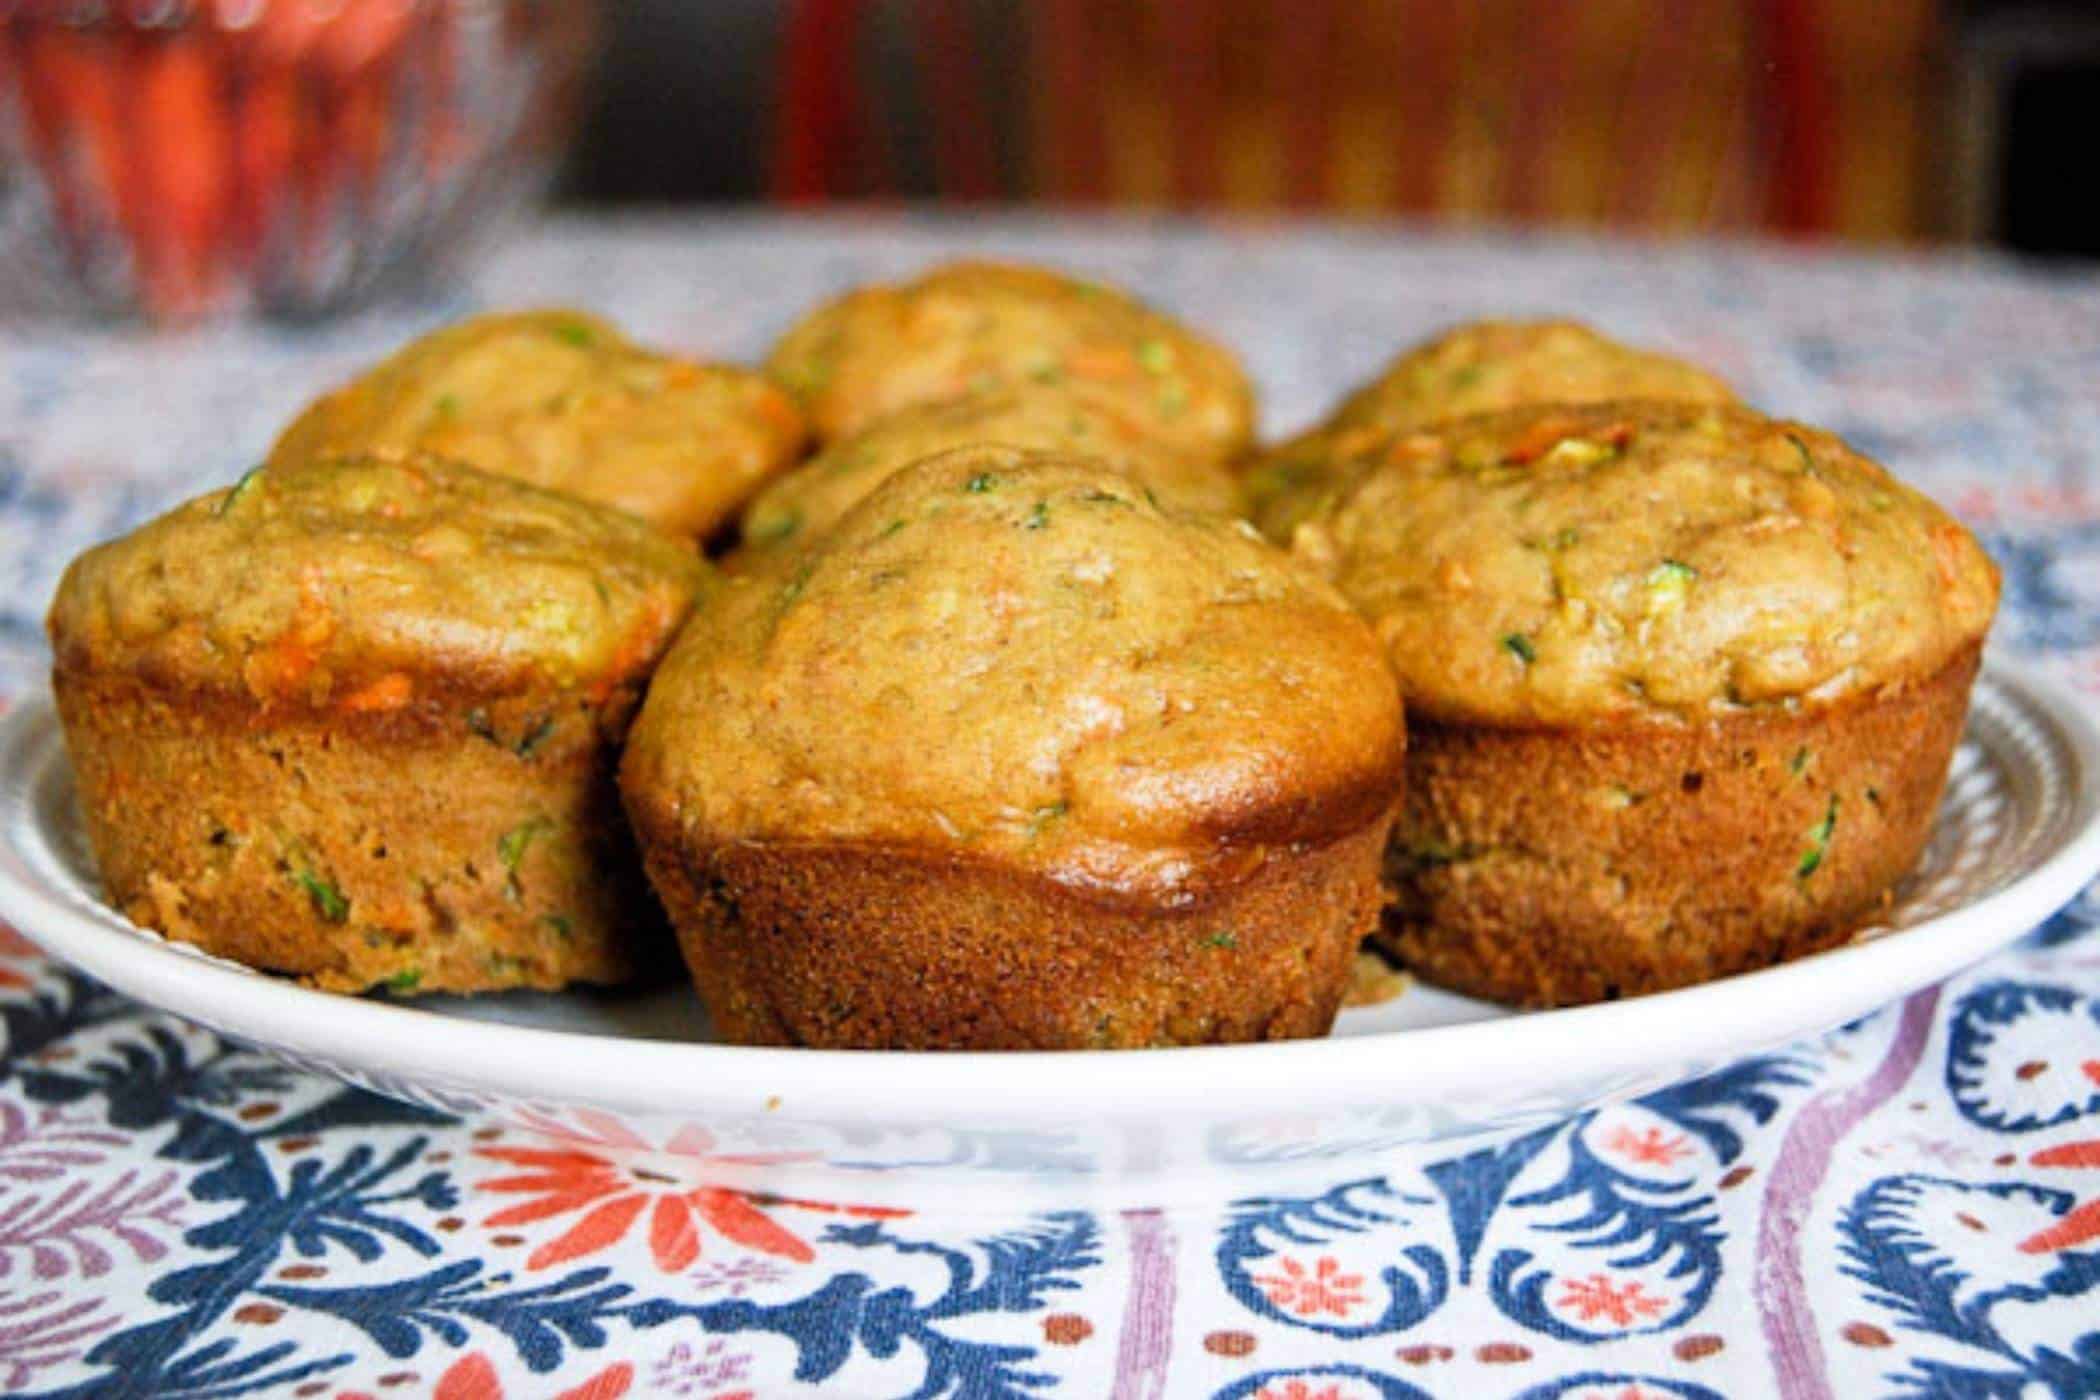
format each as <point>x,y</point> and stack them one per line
<point>2017,836</point>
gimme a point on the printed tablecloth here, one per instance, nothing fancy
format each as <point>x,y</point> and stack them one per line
<point>1910,1206</point>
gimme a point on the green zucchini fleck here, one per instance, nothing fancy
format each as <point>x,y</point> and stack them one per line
<point>512,844</point>
<point>574,333</point>
<point>529,742</point>
<point>1037,518</point>
<point>242,489</point>
<point>447,406</point>
<point>1042,817</point>
<point>776,527</point>
<point>560,923</point>
<point>1156,356</point>
<point>1818,841</point>
<point>406,980</point>
<point>1519,646</point>
<point>327,900</point>
<point>890,529</point>
<point>1671,571</point>
<point>1808,459</point>
<point>1223,938</point>
<point>1799,762</point>
<point>980,483</point>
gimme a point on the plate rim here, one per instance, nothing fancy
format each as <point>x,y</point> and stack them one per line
<point>1723,1020</point>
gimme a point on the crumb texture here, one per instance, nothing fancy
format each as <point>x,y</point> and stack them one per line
<point>1643,561</point>
<point>1023,658</point>
<point>972,327</point>
<point>563,400</point>
<point>371,585</point>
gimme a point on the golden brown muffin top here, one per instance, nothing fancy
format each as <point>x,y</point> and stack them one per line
<point>1637,561</point>
<point>809,500</point>
<point>563,400</point>
<point>969,327</point>
<point>368,585</point>
<point>1018,657</point>
<point>1485,366</point>
<point>1478,367</point>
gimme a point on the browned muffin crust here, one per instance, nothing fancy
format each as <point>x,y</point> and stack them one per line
<point>1640,561</point>
<point>807,501</point>
<point>1488,366</point>
<point>989,755</point>
<point>1473,368</point>
<point>356,722</point>
<point>830,944</point>
<point>563,400</point>
<point>430,849</point>
<point>978,327</point>
<point>1684,683</point>
<point>1553,867</point>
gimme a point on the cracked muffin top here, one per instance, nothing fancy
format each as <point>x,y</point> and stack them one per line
<point>1018,657</point>
<point>972,327</point>
<point>370,585</point>
<point>1573,566</point>
<point>563,400</point>
<point>809,500</point>
<point>1478,367</point>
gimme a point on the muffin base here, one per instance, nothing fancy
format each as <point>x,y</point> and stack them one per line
<point>417,850</point>
<point>1559,867</point>
<point>857,947</point>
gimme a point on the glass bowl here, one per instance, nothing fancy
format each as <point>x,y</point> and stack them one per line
<point>176,159</point>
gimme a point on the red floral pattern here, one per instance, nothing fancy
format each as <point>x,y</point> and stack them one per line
<point>1296,1389</point>
<point>1597,1297</point>
<point>613,1198</point>
<point>2083,1222</point>
<point>1323,1289</point>
<point>1650,1146</point>
<point>473,1377</point>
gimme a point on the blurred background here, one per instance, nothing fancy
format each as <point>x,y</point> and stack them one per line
<point>1875,120</point>
<point>182,156</point>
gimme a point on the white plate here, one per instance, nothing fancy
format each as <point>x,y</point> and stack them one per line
<point>2016,838</point>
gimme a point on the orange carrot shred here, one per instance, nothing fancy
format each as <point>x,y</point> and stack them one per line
<point>390,692</point>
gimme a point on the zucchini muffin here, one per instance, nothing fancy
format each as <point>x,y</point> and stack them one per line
<point>971,327</point>
<point>564,401</point>
<point>1684,683</point>
<point>1479,367</point>
<point>1015,757</point>
<point>356,721</point>
<point>809,500</point>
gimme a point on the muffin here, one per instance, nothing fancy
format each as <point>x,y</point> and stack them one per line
<point>1016,757</point>
<point>1486,366</point>
<point>1479,367</point>
<point>564,401</point>
<point>971,327</point>
<point>1683,683</point>
<point>809,500</point>
<point>355,721</point>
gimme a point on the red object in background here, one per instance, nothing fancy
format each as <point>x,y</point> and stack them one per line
<point>287,153</point>
<point>1791,116</point>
